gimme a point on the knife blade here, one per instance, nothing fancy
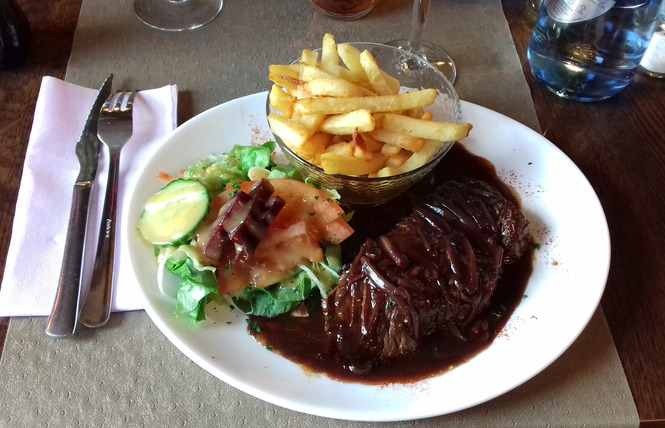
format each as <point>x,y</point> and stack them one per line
<point>63,319</point>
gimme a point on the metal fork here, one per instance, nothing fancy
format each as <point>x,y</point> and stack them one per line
<point>114,130</point>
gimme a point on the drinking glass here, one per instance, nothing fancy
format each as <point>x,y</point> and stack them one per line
<point>177,15</point>
<point>653,62</point>
<point>343,9</point>
<point>531,10</point>
<point>415,44</point>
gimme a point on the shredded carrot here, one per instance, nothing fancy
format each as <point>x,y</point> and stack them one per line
<point>166,177</point>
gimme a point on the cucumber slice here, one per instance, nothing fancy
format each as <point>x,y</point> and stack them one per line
<point>172,215</point>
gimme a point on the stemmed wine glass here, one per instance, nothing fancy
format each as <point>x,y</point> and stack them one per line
<point>432,53</point>
<point>177,15</point>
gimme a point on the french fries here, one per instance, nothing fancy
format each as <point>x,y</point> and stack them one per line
<point>345,114</point>
<point>347,123</point>
<point>343,164</point>
<point>331,87</point>
<point>292,132</point>
<point>419,128</point>
<point>280,100</point>
<point>375,103</point>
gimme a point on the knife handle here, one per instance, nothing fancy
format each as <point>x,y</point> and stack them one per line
<point>97,305</point>
<point>62,321</point>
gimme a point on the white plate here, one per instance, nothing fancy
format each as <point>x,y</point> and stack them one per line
<point>570,271</point>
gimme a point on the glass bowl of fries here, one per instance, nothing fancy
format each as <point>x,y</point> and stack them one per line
<point>366,119</point>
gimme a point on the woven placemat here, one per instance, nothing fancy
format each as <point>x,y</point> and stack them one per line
<point>128,374</point>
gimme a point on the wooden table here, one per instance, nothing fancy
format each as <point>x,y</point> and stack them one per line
<point>619,144</point>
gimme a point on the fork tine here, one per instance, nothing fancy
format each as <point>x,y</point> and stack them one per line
<point>122,97</point>
<point>107,103</point>
<point>130,101</point>
<point>118,101</point>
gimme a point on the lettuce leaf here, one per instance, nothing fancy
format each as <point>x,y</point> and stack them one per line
<point>284,297</point>
<point>277,299</point>
<point>252,156</point>
<point>197,288</point>
<point>216,171</point>
<point>285,171</point>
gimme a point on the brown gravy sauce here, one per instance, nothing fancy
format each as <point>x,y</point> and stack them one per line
<point>302,339</point>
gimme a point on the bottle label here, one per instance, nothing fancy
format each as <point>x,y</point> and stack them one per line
<point>577,10</point>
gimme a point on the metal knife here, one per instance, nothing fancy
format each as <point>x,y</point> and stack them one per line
<point>63,319</point>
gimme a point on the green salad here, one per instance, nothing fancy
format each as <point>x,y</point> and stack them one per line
<point>270,269</point>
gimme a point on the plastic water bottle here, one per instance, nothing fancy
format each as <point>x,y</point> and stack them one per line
<point>588,50</point>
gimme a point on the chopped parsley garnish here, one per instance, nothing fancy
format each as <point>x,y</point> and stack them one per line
<point>254,326</point>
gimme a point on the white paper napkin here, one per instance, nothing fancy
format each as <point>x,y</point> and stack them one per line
<point>44,199</point>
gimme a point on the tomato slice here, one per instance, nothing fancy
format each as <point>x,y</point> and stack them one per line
<point>315,207</point>
<point>308,217</point>
<point>282,250</point>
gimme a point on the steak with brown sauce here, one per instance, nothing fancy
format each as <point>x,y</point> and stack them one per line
<point>435,271</point>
